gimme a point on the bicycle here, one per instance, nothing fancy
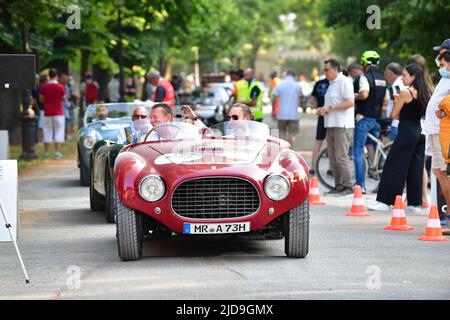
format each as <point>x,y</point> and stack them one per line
<point>373,169</point>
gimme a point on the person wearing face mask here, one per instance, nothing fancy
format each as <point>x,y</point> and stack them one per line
<point>141,124</point>
<point>431,127</point>
<point>443,113</point>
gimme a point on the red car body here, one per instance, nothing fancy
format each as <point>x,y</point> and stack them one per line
<point>135,162</point>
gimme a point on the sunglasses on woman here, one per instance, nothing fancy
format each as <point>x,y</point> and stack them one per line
<point>234,117</point>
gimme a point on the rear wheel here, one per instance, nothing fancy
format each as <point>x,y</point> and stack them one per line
<point>296,225</point>
<point>129,226</point>
<point>84,171</point>
<point>110,195</point>
<point>96,200</point>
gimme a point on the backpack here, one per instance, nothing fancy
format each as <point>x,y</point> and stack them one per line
<point>91,92</point>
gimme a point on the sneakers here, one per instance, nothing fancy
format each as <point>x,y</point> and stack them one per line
<point>46,155</point>
<point>412,209</point>
<point>379,206</point>
<point>342,191</point>
<point>444,220</point>
<point>58,155</point>
<point>363,190</point>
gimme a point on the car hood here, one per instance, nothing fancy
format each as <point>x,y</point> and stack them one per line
<point>218,151</point>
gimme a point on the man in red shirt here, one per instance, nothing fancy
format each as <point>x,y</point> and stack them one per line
<point>163,91</point>
<point>52,95</point>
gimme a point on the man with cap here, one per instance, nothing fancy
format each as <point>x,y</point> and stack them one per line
<point>163,91</point>
<point>431,128</point>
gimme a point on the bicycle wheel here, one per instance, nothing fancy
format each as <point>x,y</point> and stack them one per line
<point>322,170</point>
<point>382,159</point>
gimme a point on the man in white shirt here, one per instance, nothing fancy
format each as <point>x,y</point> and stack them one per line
<point>393,75</point>
<point>288,92</point>
<point>431,129</point>
<point>339,114</point>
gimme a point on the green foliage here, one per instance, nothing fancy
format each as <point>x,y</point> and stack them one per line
<point>407,27</point>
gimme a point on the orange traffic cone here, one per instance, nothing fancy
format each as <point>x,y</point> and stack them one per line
<point>398,220</point>
<point>314,195</point>
<point>358,209</point>
<point>433,231</point>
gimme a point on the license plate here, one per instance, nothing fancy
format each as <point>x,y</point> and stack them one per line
<point>216,228</point>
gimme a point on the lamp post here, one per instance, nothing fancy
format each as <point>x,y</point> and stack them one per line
<point>119,4</point>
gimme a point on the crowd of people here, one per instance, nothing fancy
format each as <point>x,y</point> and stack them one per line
<point>354,102</point>
<point>350,103</point>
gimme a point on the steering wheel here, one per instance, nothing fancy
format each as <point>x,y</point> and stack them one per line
<point>164,124</point>
<point>206,132</point>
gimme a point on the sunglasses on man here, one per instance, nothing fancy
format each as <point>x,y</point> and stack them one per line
<point>234,117</point>
<point>140,116</point>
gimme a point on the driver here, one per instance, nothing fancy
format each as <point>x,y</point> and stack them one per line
<point>162,113</point>
<point>101,112</point>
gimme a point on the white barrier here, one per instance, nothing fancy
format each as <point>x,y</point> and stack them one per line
<point>8,206</point>
<point>4,145</point>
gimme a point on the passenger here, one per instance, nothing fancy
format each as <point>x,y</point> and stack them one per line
<point>141,124</point>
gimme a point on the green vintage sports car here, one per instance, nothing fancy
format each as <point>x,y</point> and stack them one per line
<point>102,122</point>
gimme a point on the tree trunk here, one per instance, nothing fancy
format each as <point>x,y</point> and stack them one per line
<point>102,77</point>
<point>84,64</point>
<point>62,65</point>
<point>254,56</point>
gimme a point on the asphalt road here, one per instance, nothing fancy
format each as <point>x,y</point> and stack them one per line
<point>350,258</point>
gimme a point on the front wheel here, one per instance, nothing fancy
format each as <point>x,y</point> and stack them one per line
<point>296,228</point>
<point>129,226</point>
<point>84,171</point>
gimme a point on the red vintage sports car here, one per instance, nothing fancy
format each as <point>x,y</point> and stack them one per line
<point>233,178</point>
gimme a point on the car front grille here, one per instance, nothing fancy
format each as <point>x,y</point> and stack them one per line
<point>215,198</point>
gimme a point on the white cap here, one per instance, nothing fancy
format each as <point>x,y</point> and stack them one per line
<point>153,73</point>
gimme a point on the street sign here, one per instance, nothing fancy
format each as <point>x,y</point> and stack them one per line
<point>8,196</point>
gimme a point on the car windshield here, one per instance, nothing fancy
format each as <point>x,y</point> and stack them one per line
<point>107,111</point>
<point>244,129</point>
<point>174,130</point>
<point>231,143</point>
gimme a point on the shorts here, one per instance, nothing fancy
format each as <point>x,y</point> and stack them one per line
<point>54,127</point>
<point>291,126</point>
<point>437,160</point>
<point>41,119</point>
<point>321,132</point>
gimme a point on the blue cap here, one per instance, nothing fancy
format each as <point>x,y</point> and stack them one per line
<point>444,45</point>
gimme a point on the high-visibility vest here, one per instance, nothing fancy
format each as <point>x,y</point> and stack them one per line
<point>257,110</point>
<point>170,93</point>
<point>241,88</point>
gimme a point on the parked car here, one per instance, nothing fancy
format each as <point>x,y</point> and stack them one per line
<point>101,122</point>
<point>210,106</point>
<point>233,178</point>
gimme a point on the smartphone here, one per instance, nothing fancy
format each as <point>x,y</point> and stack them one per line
<point>391,93</point>
<point>397,89</point>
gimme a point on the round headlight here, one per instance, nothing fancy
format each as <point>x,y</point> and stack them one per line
<point>152,188</point>
<point>89,142</point>
<point>277,187</point>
